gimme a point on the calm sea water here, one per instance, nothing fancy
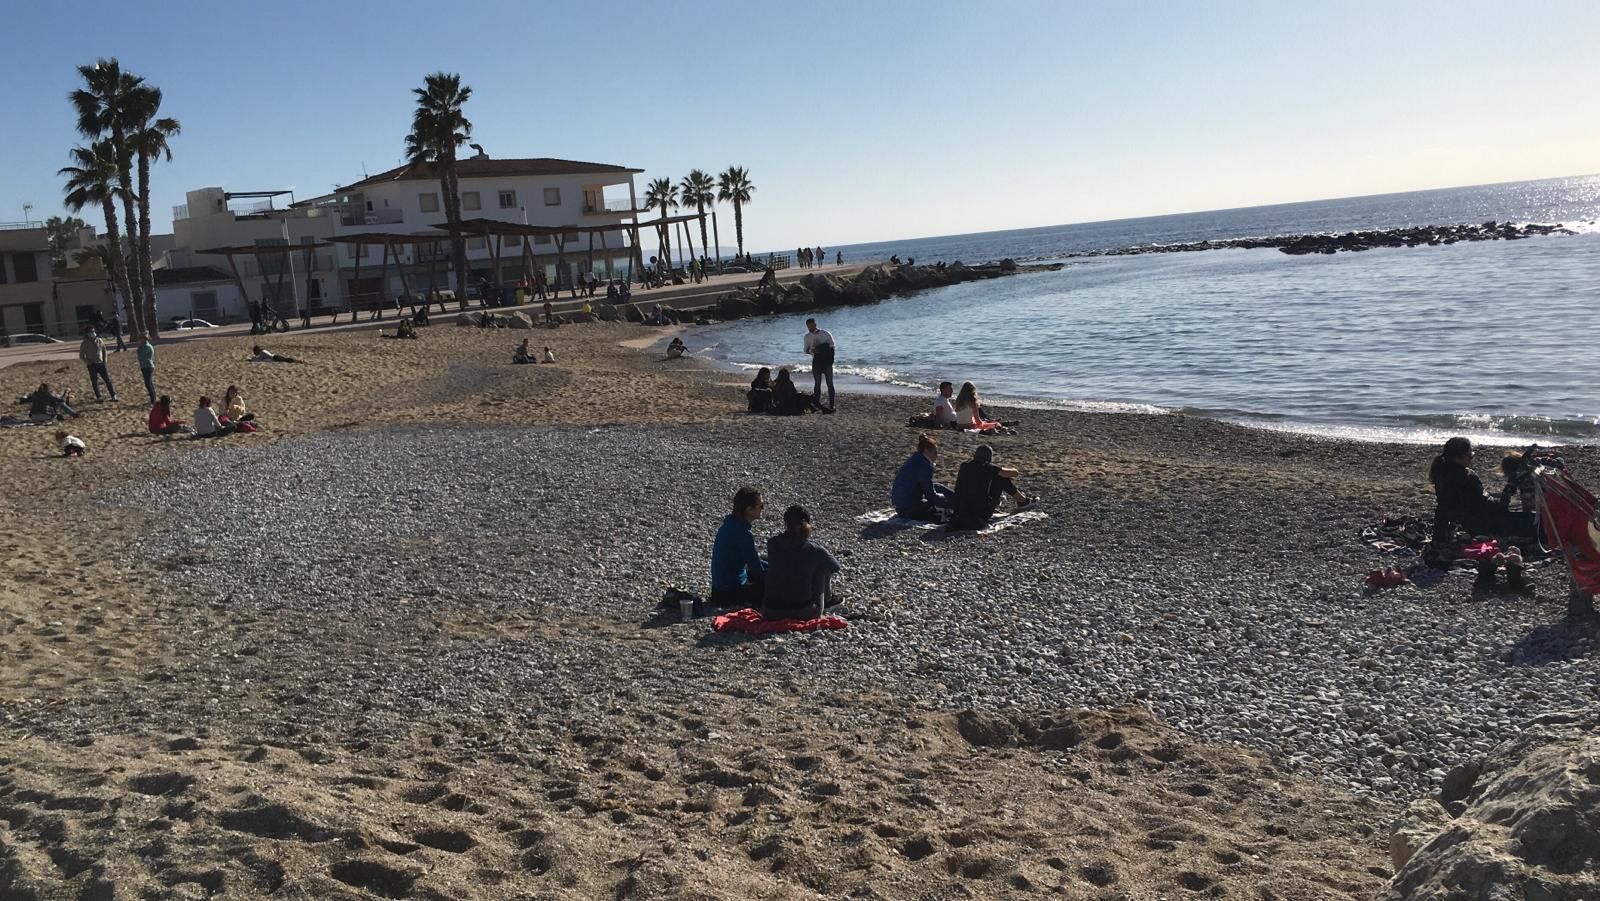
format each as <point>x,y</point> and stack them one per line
<point>1496,339</point>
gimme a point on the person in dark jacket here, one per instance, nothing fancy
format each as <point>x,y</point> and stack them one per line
<point>981,484</point>
<point>787,400</point>
<point>799,571</point>
<point>1461,503</point>
<point>737,570</point>
<point>760,395</point>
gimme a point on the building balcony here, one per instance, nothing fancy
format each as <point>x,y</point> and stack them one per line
<point>353,218</point>
<point>619,207</point>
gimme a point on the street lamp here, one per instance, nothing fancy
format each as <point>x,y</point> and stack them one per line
<point>27,218</point>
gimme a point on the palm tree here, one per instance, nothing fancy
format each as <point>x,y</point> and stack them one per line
<point>735,185</point>
<point>699,190</point>
<point>147,138</point>
<point>438,127</point>
<point>663,195</point>
<point>93,180</point>
<point>103,111</point>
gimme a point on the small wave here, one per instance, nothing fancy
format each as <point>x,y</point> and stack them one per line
<point>1512,424</point>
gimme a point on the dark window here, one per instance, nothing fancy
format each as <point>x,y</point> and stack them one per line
<point>33,316</point>
<point>2,269</point>
<point>85,313</point>
<point>27,271</point>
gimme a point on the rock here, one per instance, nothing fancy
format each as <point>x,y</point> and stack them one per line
<point>609,312</point>
<point>1458,782</point>
<point>465,319</point>
<point>734,307</point>
<point>1532,831</point>
<point>1416,826</point>
<point>1008,265</point>
<point>519,320</point>
<point>985,730</point>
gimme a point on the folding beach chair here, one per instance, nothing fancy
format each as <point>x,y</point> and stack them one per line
<point>1570,523</point>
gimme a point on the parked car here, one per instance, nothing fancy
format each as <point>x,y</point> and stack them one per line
<point>27,338</point>
<point>185,324</point>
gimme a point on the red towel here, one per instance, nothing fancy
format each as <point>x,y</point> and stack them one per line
<point>750,621</point>
<point>1481,551</point>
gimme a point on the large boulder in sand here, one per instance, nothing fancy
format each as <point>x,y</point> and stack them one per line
<point>736,308</point>
<point>519,320</point>
<point>1417,826</point>
<point>465,319</point>
<point>1530,830</point>
<point>608,312</point>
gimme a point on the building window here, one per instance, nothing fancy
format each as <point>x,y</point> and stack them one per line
<point>358,251</point>
<point>508,200</point>
<point>541,239</point>
<point>25,267</point>
<point>552,196</point>
<point>570,237</point>
<point>477,243</point>
<point>2,269</point>
<point>428,202</point>
<point>470,201</point>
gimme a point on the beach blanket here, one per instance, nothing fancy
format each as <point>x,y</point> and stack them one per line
<point>751,622</point>
<point>888,518</point>
<point>1409,536</point>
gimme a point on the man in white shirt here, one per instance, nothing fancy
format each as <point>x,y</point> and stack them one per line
<point>819,344</point>
<point>944,414</point>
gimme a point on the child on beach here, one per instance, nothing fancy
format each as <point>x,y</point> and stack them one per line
<point>71,445</point>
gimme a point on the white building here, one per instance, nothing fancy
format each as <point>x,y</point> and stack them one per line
<point>406,201</point>
<point>31,300</point>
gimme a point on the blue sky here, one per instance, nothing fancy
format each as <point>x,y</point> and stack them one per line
<point>859,121</point>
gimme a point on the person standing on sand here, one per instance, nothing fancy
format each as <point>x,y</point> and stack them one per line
<point>980,486</point>
<point>738,573</point>
<point>915,494</point>
<point>820,345</point>
<point>147,366</point>
<point>93,355</point>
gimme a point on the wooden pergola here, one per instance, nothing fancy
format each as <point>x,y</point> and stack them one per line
<point>272,251</point>
<point>391,243</point>
<point>496,231</point>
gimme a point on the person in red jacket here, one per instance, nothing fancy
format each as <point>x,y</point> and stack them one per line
<point>161,421</point>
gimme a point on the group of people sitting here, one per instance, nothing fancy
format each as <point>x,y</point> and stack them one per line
<point>234,416</point>
<point>780,396</point>
<point>982,485</point>
<point>1462,504</point>
<point>795,578</point>
<point>959,411</point>
<point>524,353</point>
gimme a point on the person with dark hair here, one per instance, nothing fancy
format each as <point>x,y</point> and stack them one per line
<point>523,353</point>
<point>1461,501</point>
<point>207,423</point>
<point>787,400</point>
<point>161,421</point>
<point>799,571</point>
<point>93,354</point>
<point>45,405</point>
<point>737,570</point>
<point>760,393</point>
<point>944,413</point>
<point>820,345</point>
<point>147,365</point>
<point>1517,470</point>
<point>915,494</point>
<point>258,354</point>
<point>981,484</point>
<point>233,406</point>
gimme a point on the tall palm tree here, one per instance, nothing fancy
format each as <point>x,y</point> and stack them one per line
<point>699,190</point>
<point>663,195</point>
<point>147,138</point>
<point>734,185</point>
<point>438,127</point>
<point>103,105</point>
<point>92,179</point>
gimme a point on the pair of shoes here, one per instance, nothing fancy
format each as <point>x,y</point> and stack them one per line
<point>1027,503</point>
<point>1514,569</point>
<point>1486,572</point>
<point>1386,578</point>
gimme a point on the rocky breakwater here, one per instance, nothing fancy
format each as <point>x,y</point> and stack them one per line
<point>1431,235</point>
<point>1521,824</point>
<point>821,291</point>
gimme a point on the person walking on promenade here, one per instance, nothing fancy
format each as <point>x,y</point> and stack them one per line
<point>822,256</point>
<point>147,366</point>
<point>116,326</point>
<point>820,345</point>
<point>93,355</point>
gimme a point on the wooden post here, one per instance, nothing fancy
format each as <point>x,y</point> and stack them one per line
<point>433,274</point>
<point>311,253</point>
<point>383,285</point>
<point>405,283</point>
<point>717,238</point>
<point>277,292</point>
<point>561,262</point>
<point>603,247</point>
<point>239,280</point>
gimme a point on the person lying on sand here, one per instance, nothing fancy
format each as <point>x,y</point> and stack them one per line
<point>71,445</point>
<point>261,355</point>
<point>737,570</point>
<point>981,484</point>
<point>787,400</point>
<point>523,354</point>
<point>45,405</point>
<point>915,494</point>
<point>799,571</point>
<point>161,421</point>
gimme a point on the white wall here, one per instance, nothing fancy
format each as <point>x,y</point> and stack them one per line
<point>173,301</point>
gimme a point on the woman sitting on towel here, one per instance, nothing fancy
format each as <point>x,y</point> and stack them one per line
<point>161,421</point>
<point>760,394</point>
<point>787,400</point>
<point>1461,501</point>
<point>799,572</point>
<point>969,411</point>
<point>233,406</point>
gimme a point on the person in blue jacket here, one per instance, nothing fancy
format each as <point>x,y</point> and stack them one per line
<point>738,573</point>
<point>915,494</point>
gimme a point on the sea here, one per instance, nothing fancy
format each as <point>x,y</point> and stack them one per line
<point>1498,340</point>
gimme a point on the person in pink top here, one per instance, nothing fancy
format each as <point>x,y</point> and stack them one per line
<point>161,421</point>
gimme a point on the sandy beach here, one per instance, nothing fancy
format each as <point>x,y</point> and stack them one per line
<point>403,643</point>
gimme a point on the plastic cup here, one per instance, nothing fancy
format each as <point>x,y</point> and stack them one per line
<point>685,609</point>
